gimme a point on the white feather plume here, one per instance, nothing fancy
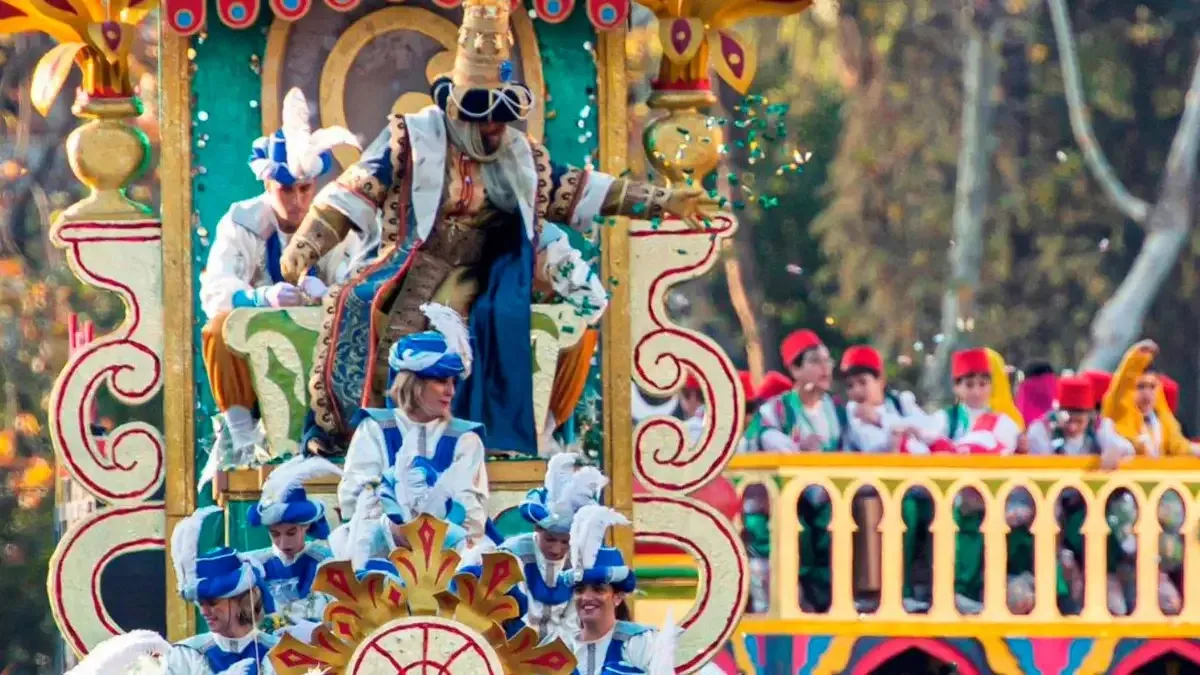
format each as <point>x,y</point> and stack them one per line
<point>363,524</point>
<point>295,473</point>
<point>454,480</point>
<point>587,533</point>
<point>303,145</point>
<point>185,544</point>
<point>559,470</point>
<point>118,654</point>
<point>339,542</point>
<point>209,472</point>
<point>452,326</point>
<point>297,131</point>
<point>662,654</point>
<point>243,667</point>
<point>579,491</point>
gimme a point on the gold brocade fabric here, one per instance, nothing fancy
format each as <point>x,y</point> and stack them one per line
<point>445,270</point>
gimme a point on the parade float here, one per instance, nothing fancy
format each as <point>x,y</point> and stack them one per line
<point>225,68</point>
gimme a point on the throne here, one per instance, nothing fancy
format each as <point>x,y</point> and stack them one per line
<point>280,347</point>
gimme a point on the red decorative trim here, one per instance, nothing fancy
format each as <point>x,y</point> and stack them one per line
<point>63,554</point>
<point>675,457</point>
<point>935,648</point>
<point>705,565</point>
<point>238,13</point>
<point>282,11</point>
<point>1153,649</point>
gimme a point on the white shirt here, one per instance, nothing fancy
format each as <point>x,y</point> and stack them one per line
<point>287,595</point>
<point>822,418</point>
<point>550,621</point>
<point>1041,441</point>
<point>877,438</point>
<point>589,656</point>
<point>187,656</point>
<point>237,260</point>
<point>366,461</point>
<point>937,425</point>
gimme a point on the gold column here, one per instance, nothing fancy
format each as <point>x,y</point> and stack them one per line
<point>616,336</point>
<point>178,405</point>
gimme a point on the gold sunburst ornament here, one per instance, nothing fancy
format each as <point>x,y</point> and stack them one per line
<point>379,624</point>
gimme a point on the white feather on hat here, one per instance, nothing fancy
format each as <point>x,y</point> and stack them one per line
<point>295,473</point>
<point>662,653</point>
<point>303,145</point>
<point>587,533</point>
<point>452,326</point>
<point>185,544</point>
<point>122,653</point>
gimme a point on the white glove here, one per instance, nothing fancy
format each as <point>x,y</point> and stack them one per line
<point>314,287</point>
<point>283,294</point>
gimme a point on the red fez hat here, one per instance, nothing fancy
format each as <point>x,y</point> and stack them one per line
<point>862,356</point>
<point>773,384</point>
<point>747,385</point>
<point>692,382</point>
<point>1100,381</point>
<point>1075,393</point>
<point>796,344</point>
<point>1170,391</point>
<point>969,362</point>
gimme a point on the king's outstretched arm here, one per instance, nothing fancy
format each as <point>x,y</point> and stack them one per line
<point>352,202</point>
<point>579,196</point>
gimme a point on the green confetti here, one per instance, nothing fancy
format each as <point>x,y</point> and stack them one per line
<point>681,251</point>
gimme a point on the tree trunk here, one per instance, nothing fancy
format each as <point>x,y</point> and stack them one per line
<point>1119,323</point>
<point>981,72</point>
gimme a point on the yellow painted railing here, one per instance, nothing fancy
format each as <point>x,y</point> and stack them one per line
<point>843,476</point>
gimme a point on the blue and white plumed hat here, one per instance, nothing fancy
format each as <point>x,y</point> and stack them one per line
<point>296,153</point>
<point>591,561</point>
<point>568,488</point>
<point>216,574</point>
<point>285,501</point>
<point>441,352</point>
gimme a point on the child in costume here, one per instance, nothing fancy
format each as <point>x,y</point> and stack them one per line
<point>773,385</point>
<point>232,595</point>
<point>293,519</point>
<point>1136,404</point>
<point>983,420</point>
<point>544,552</point>
<point>874,410</point>
<point>425,369</point>
<point>243,266</point>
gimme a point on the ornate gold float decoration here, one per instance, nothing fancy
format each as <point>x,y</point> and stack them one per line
<point>381,625</point>
<point>106,153</point>
<point>684,143</point>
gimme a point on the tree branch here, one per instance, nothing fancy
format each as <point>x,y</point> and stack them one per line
<point>1134,208</point>
<point>1120,321</point>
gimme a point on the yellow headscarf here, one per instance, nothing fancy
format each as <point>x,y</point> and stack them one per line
<point>1002,397</point>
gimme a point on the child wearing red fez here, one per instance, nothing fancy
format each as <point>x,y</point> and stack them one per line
<point>1070,429</point>
<point>691,408</point>
<point>873,409</point>
<point>804,418</point>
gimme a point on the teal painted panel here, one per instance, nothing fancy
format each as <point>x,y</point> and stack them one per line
<point>241,535</point>
<point>227,118</point>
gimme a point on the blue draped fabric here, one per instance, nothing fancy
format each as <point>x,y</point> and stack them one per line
<point>499,392</point>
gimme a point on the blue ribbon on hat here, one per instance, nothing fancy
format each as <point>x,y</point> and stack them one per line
<point>269,160</point>
<point>535,511</point>
<point>609,569</point>
<point>427,355</point>
<point>296,509</point>
<point>222,573</point>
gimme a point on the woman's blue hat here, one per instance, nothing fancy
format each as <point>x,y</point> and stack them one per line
<point>223,573</point>
<point>608,569</point>
<point>439,353</point>
<point>591,561</point>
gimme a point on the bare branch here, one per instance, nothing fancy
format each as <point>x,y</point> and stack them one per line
<point>1119,322</point>
<point>1134,208</point>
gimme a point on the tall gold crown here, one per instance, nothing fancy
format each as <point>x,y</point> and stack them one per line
<point>484,44</point>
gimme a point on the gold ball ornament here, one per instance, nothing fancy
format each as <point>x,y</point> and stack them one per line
<point>107,154</point>
<point>685,142</point>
